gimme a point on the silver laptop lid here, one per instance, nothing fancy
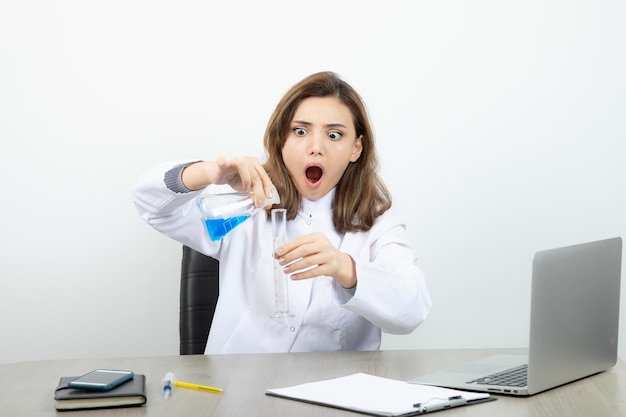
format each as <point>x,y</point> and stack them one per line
<point>574,313</point>
<point>574,323</point>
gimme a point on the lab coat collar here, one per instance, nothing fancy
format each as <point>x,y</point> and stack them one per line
<point>320,205</point>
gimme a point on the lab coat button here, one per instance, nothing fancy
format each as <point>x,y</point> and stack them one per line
<point>292,329</point>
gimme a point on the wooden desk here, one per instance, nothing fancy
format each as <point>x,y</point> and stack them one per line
<point>26,388</point>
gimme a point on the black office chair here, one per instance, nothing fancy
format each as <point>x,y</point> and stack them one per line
<point>199,290</point>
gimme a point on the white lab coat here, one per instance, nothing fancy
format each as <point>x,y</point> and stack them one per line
<point>391,293</point>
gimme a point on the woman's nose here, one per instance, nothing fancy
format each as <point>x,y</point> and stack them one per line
<point>316,143</point>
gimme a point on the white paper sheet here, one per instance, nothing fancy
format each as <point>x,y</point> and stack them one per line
<point>375,395</point>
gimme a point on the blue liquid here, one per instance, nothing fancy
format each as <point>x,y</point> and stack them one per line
<point>218,228</point>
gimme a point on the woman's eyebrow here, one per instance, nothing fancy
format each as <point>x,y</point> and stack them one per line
<point>305,123</point>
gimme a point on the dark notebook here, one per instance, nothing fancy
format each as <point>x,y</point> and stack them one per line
<point>131,393</point>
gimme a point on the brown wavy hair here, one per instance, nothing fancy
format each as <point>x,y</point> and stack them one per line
<point>360,195</point>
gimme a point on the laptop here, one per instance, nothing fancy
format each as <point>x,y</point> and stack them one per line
<point>574,321</point>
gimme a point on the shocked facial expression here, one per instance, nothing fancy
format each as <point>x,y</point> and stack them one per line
<point>321,143</point>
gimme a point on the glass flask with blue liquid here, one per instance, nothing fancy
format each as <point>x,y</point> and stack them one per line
<point>223,212</point>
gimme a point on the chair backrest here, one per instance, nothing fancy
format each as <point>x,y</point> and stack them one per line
<point>199,291</point>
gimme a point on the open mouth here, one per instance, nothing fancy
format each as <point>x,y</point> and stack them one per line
<point>314,174</point>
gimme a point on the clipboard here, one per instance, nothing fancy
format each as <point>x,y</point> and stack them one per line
<point>378,396</point>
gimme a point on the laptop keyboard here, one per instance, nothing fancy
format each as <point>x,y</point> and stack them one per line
<point>514,377</point>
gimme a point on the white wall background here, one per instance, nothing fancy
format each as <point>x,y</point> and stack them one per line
<point>501,127</point>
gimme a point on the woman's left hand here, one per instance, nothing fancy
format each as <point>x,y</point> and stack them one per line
<point>313,255</point>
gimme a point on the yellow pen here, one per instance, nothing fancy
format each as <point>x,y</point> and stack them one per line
<point>197,386</point>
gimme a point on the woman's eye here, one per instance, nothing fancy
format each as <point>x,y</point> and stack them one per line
<point>299,131</point>
<point>335,135</point>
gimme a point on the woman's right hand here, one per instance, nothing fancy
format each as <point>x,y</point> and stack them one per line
<point>244,173</point>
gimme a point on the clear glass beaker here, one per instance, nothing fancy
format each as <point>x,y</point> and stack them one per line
<point>221,213</point>
<point>281,280</point>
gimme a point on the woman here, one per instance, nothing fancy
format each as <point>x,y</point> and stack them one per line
<point>352,269</point>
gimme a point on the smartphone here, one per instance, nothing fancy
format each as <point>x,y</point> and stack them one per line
<point>101,379</point>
